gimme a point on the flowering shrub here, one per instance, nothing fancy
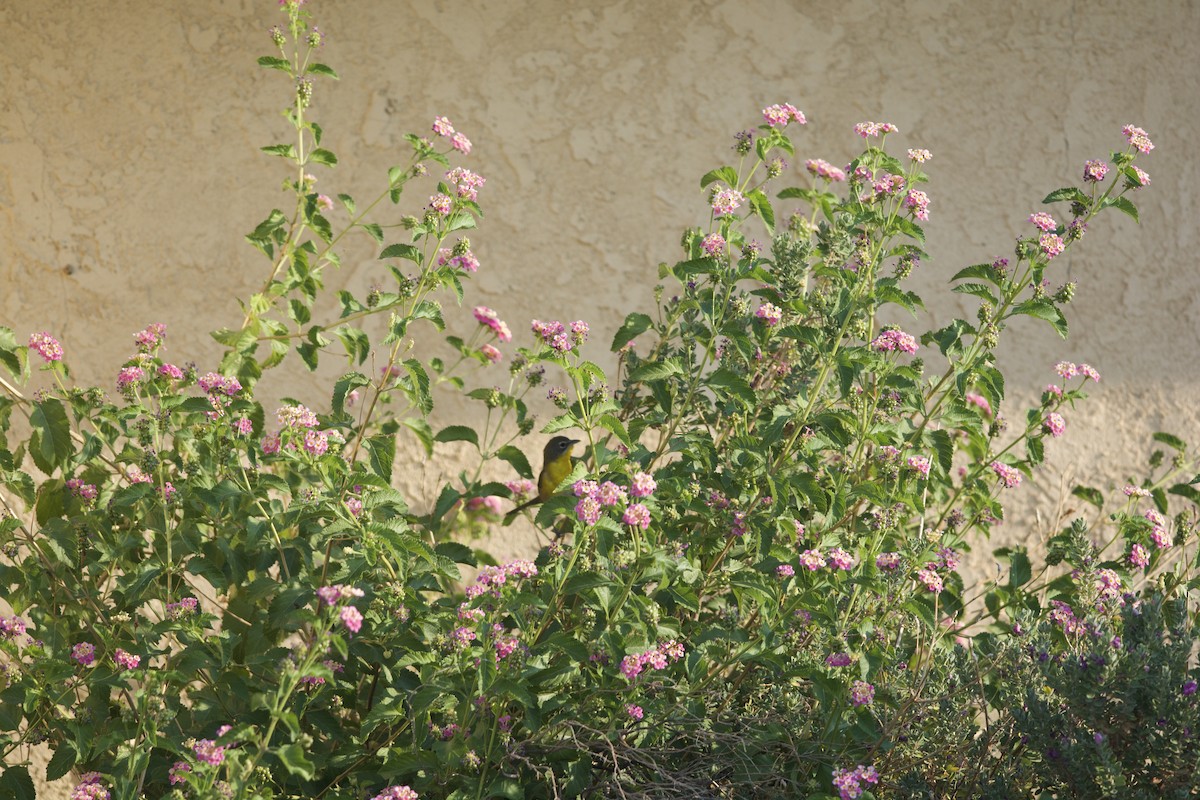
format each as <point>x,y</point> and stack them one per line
<point>751,581</point>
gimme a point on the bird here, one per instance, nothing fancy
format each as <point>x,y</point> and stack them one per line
<point>556,465</point>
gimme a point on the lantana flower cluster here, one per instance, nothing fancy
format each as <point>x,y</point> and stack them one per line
<point>561,338</point>
<point>595,497</point>
<point>657,658</point>
<point>851,784</point>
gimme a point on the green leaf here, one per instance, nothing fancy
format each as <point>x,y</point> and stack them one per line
<point>382,450</point>
<point>322,156</point>
<point>655,371</point>
<point>293,758</point>
<point>61,762</point>
<point>420,428</point>
<point>1089,495</point>
<point>980,271</point>
<point>53,432</point>
<point>610,423</point>
<point>762,207</point>
<point>275,62</point>
<point>634,326</point>
<point>16,784</point>
<point>1170,440</point>
<point>976,289</point>
<point>1020,571</point>
<point>322,69</point>
<point>282,150</point>
<point>374,230</point>
<point>734,385</point>
<point>457,433</point>
<point>1123,204</point>
<point>420,385</point>
<point>8,351</point>
<point>1044,310</point>
<point>407,251</point>
<point>516,458</point>
<point>1068,193</point>
<point>727,174</point>
<point>344,385</point>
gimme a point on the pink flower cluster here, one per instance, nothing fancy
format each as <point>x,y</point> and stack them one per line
<point>460,257</point>
<point>401,792</point>
<point>1054,424</point>
<point>839,660</point>
<point>214,383</point>
<point>84,653</point>
<point>888,561</point>
<point>780,114</point>
<point>862,693</point>
<point>725,200</point>
<point>126,660</point>
<point>11,627</point>
<point>442,127</point>
<point>979,401</point>
<point>84,491</point>
<point>1138,138</point>
<point>918,201</point>
<point>1143,177</point>
<point>46,346</point>
<point>1067,370</point>
<point>1094,170</point>
<point>556,335</point>
<point>868,129</point>
<point>1158,529</point>
<point>657,658</point>
<point>1043,221</point>
<point>919,156</point>
<point>642,484</point>
<point>521,488</point>
<point>932,580</point>
<point>823,169</point>
<point>894,339</point>
<point>490,319</point>
<point>1064,617</point>
<point>491,579</point>
<point>1138,557</point>
<point>849,783</point>
<point>769,313</point>
<point>1051,244</point>
<point>1009,476</point>
<point>332,595</point>
<point>713,244</point>
<point>466,183</point>
<point>634,712</point>
<point>90,788</point>
<point>184,608</point>
<point>208,751</point>
<point>920,464</point>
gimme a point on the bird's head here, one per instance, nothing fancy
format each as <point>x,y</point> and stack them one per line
<point>557,446</point>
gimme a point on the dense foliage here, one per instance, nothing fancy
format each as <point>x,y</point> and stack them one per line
<point>749,583</point>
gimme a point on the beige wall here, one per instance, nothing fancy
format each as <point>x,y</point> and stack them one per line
<point>129,167</point>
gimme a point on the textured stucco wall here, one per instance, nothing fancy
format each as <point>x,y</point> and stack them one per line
<point>129,167</point>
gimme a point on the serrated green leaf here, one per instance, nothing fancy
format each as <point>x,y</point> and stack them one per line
<point>401,250</point>
<point>275,62</point>
<point>16,784</point>
<point>61,762</point>
<point>1170,440</point>
<point>322,69</point>
<point>1089,495</point>
<point>1044,310</point>
<point>517,459</point>
<point>1067,193</point>
<point>610,423</point>
<point>1124,204</point>
<point>49,420</point>
<point>655,371</point>
<point>457,433</point>
<point>634,326</point>
<point>727,174</point>
<point>322,156</point>
<point>762,207</point>
<point>293,758</point>
<point>382,454</point>
<point>422,431</point>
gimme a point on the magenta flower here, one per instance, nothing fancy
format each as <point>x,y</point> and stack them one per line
<point>1051,244</point>
<point>769,314</point>
<point>488,318</point>
<point>176,772</point>
<point>1143,177</point>
<point>1138,557</point>
<point>919,156</point>
<point>1054,424</point>
<point>812,560</point>
<point>46,346</point>
<point>642,485</point>
<point>1135,491</point>
<point>637,516</point>
<point>186,607</point>
<point>840,559</point>
<point>887,561</point>
<point>635,712</point>
<point>1094,170</point>
<point>467,183</point>
<point>209,752</point>
<point>84,653</point>
<point>785,570</point>
<point>84,491</point>
<point>1138,138</point>
<point>170,371</point>
<point>929,577</point>
<point>894,339</point>
<point>868,129</point>
<point>1043,221</point>
<point>918,201</point>
<point>243,426</point>
<point>713,244</point>
<point>1189,688</point>
<point>585,488</point>
<point>354,506</point>
<point>352,619</point>
<point>920,464</point>
<point>149,339</point>
<point>521,488</point>
<point>725,201</point>
<point>440,204</point>
<point>396,793</point>
<point>823,169</point>
<point>779,115</point>
<point>126,660</point>
<point>1089,372</point>
<point>491,353</point>
<point>610,494</point>
<point>11,627</point>
<point>849,783</point>
<point>442,126</point>
<point>461,143</point>
<point>1066,370</point>
<point>979,401</point>
<point>587,510</point>
<point>1009,476</point>
<point>316,443</point>
<point>839,660</point>
<point>128,377</point>
<point>90,788</point>
<point>862,693</point>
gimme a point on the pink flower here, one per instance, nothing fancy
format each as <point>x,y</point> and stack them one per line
<point>929,577</point>
<point>441,204</point>
<point>91,788</point>
<point>150,338</point>
<point>713,244</point>
<point>1094,170</point>
<point>468,183</point>
<point>296,417</point>
<point>642,485</point>
<point>130,376</point>
<point>868,129</point>
<point>823,169</point>
<point>84,653</point>
<point>849,782</point>
<point>352,619</point>
<point>126,660</point>
<point>84,491</point>
<point>610,494</point>
<point>887,561</point>
<point>862,693</point>
<point>442,126</point>
<point>461,143</point>
<point>176,772</point>
<point>209,752</point>
<point>46,346</point>
<point>635,712</point>
<point>1054,424</point>
<point>170,371</point>
<point>812,560</point>
<point>488,318</point>
<point>354,506</point>
<point>316,443</point>
<point>1089,372</point>
<point>920,464</point>
<point>785,570</point>
<point>637,516</point>
<point>522,487</point>
<point>979,401</point>
<point>1135,491</point>
<point>1143,177</point>
<point>243,425</point>
<point>725,201</point>
<point>491,353</point>
<point>1051,244</point>
<point>769,313</point>
<point>324,202</point>
<point>779,115</point>
<point>396,793</point>
<point>918,201</point>
<point>840,559</point>
<point>839,660</point>
<point>920,156</point>
<point>270,444</point>
<point>587,510</point>
<point>1066,370</point>
<point>585,488</point>
<point>1009,476</point>
<point>1138,138</point>
<point>894,339</point>
<point>1043,221</point>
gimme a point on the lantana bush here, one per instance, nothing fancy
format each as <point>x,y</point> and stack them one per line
<point>749,584</point>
